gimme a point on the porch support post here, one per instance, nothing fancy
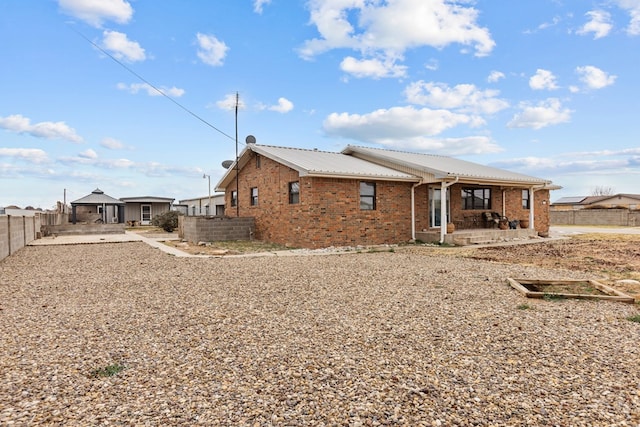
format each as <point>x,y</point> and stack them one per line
<point>413,211</point>
<point>443,207</point>
<point>531,208</point>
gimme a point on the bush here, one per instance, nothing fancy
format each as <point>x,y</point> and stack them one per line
<point>168,221</point>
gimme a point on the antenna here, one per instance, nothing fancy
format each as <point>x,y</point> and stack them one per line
<point>250,139</point>
<point>227,164</point>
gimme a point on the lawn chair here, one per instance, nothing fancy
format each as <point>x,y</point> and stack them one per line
<point>491,219</point>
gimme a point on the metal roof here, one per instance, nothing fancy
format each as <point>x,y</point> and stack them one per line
<point>97,197</point>
<point>318,163</point>
<point>443,167</point>
<point>570,200</point>
<point>372,163</point>
<point>147,199</point>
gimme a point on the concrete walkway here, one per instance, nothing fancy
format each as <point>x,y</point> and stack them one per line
<point>128,236</point>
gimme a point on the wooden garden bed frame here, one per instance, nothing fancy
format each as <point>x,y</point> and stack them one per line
<point>610,294</point>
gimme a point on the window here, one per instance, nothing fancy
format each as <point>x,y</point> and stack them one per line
<point>525,199</point>
<point>367,196</point>
<point>476,198</point>
<point>254,196</point>
<point>257,161</point>
<point>234,198</point>
<point>294,192</point>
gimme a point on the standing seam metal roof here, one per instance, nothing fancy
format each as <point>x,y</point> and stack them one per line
<point>443,167</point>
<point>315,162</point>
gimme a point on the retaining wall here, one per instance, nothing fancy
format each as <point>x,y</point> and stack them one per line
<point>215,228</point>
<point>620,217</point>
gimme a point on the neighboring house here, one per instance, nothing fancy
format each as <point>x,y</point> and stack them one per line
<point>629,201</point>
<point>364,196</point>
<point>97,207</point>
<point>141,210</point>
<point>200,205</point>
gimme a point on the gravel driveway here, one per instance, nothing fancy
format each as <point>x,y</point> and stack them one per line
<point>359,339</point>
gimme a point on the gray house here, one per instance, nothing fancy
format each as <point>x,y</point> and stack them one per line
<point>141,210</point>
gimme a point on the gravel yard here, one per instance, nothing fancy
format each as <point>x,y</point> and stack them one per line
<point>353,339</point>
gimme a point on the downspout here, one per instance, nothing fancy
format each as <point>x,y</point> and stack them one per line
<point>443,207</point>
<point>413,210</point>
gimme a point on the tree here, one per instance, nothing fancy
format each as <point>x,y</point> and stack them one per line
<point>602,190</point>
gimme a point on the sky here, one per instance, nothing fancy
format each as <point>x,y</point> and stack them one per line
<point>138,97</point>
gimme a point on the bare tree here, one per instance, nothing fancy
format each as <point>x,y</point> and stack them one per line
<point>602,190</point>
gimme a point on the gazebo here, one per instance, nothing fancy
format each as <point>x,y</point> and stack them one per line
<point>102,208</point>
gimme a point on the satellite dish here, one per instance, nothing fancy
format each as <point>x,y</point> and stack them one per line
<point>227,164</point>
<point>250,139</point>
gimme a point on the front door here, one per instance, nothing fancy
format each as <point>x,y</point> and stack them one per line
<point>435,197</point>
<point>145,214</point>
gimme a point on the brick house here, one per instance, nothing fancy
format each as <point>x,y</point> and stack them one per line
<point>366,196</point>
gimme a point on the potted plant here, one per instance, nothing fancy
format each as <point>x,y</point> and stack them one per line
<point>503,224</point>
<point>451,227</point>
<point>524,223</point>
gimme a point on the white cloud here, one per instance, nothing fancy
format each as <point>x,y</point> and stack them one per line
<point>33,155</point>
<point>259,4</point>
<point>594,77</point>
<point>543,79</point>
<point>95,12</point>
<point>284,106</point>
<point>633,8</point>
<point>494,76</point>
<point>388,29</point>
<point>599,24</point>
<point>545,113</point>
<point>48,130</point>
<point>211,51</point>
<point>463,97</point>
<point>121,47</point>
<point>111,144</point>
<point>229,102</point>
<point>134,88</point>
<point>393,124</point>
<point>444,146</point>
<point>374,68</point>
<point>88,154</point>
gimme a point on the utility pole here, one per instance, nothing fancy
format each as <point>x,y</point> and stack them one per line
<point>237,165</point>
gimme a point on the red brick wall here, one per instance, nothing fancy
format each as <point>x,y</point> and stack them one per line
<point>329,214</point>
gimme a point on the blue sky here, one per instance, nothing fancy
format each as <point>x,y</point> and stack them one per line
<point>548,88</point>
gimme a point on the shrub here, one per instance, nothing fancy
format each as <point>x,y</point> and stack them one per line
<point>168,221</point>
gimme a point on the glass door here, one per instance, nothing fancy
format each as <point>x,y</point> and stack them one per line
<point>435,199</point>
<point>145,214</point>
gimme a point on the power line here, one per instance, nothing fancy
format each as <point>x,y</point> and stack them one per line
<point>154,87</point>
